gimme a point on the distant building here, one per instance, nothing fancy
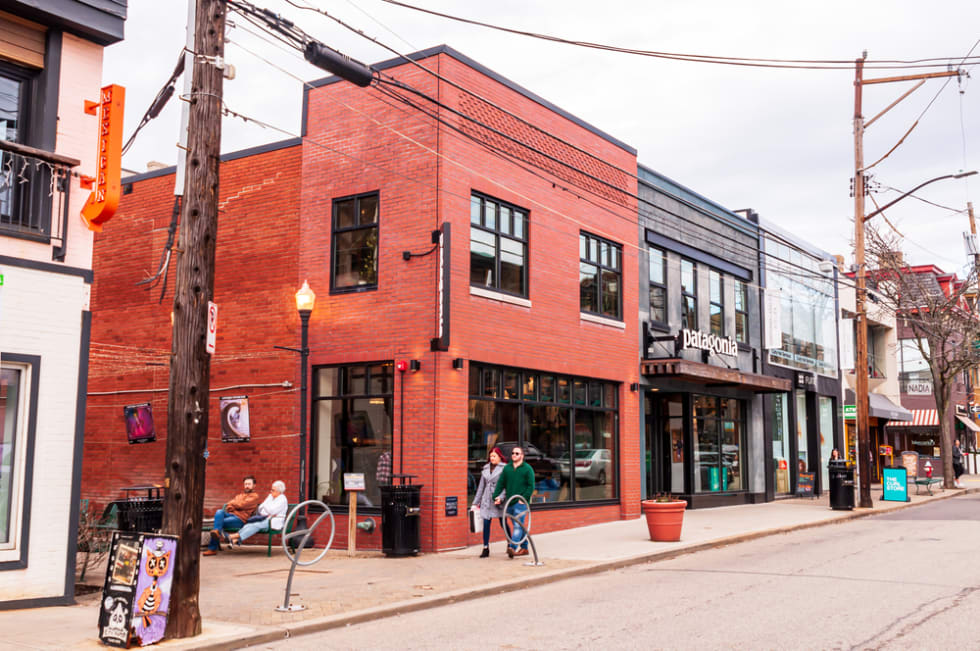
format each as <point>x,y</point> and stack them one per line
<point>50,63</point>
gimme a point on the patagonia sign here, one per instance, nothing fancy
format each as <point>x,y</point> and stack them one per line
<point>711,343</point>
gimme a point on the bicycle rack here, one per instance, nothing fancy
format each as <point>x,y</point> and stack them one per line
<point>287,607</point>
<point>526,526</point>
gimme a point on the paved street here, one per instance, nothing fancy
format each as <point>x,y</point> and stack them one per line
<point>893,581</point>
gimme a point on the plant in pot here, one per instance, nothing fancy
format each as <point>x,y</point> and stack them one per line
<point>665,516</point>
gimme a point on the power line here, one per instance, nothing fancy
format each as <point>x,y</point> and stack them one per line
<point>807,64</point>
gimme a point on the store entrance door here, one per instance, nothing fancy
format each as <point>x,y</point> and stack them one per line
<point>665,444</point>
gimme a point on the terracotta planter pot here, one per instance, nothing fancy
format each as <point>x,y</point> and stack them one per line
<point>664,519</point>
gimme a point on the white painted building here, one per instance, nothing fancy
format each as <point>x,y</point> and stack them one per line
<point>50,64</point>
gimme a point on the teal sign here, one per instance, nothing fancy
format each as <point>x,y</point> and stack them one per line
<point>895,484</point>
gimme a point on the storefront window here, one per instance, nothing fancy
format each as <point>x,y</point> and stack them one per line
<point>11,422</point>
<point>825,408</point>
<point>568,429</point>
<point>914,376</point>
<point>803,461</point>
<point>352,430</point>
<point>807,298</point>
<point>781,453</point>
<point>718,451</point>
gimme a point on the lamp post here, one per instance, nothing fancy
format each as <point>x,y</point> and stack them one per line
<point>305,300</point>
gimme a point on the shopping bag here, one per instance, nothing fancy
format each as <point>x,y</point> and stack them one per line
<point>476,521</point>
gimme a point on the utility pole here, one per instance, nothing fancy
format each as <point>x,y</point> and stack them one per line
<point>188,402</point>
<point>865,454</point>
<point>973,230</point>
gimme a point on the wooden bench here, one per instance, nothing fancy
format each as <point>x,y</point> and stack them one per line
<point>927,482</point>
<point>208,524</point>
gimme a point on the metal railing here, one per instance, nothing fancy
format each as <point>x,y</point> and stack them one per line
<point>34,194</point>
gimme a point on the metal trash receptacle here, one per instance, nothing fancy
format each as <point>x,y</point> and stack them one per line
<point>841,485</point>
<point>141,514</point>
<point>400,518</point>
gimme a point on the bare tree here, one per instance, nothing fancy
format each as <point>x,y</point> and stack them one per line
<point>944,323</point>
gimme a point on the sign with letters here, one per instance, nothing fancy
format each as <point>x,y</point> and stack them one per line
<point>353,481</point>
<point>711,343</point>
<point>805,484</point>
<point>104,198</point>
<point>212,328</point>
<point>895,484</point>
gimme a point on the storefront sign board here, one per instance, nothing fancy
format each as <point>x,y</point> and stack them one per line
<point>895,484</point>
<point>911,462</point>
<point>850,412</point>
<point>710,342</point>
<point>805,484</point>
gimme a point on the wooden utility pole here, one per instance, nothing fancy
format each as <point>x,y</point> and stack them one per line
<point>864,452</point>
<point>861,318</point>
<point>973,230</point>
<point>188,402</point>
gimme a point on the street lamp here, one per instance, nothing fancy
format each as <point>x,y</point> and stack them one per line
<point>305,300</point>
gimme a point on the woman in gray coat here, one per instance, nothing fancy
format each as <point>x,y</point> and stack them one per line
<point>483,500</point>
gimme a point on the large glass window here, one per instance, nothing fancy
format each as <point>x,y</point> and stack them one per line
<point>498,245</point>
<point>689,295</point>
<point>355,242</point>
<point>716,295</point>
<point>658,285</point>
<point>15,390</point>
<point>352,430</point>
<point>600,276</point>
<point>718,451</point>
<point>781,452</point>
<point>802,449</point>
<point>807,299</point>
<point>567,426</point>
<point>741,312</point>
<point>825,422</point>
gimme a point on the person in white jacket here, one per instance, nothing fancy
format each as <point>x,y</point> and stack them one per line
<point>270,514</point>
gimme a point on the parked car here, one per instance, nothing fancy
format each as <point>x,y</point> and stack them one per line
<point>590,465</point>
<point>544,466</point>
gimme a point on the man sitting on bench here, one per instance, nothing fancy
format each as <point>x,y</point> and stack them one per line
<point>270,515</point>
<point>233,516</point>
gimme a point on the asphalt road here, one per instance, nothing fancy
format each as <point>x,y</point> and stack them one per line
<point>908,580</point>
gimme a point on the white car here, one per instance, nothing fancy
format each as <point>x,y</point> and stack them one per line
<point>590,465</point>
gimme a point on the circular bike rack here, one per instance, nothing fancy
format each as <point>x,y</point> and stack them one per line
<point>525,526</point>
<point>304,536</point>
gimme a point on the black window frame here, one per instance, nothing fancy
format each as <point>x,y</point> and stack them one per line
<point>663,287</point>
<point>334,231</point>
<point>344,394</point>
<point>685,322</point>
<point>714,274</point>
<point>742,315</point>
<point>601,266</point>
<point>605,392</point>
<point>499,235</point>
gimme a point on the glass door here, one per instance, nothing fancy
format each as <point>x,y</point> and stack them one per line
<point>665,444</point>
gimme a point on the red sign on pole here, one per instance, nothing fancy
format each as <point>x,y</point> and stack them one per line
<point>212,327</point>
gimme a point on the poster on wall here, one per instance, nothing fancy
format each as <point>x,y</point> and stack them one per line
<point>234,419</point>
<point>139,423</point>
<point>136,592</point>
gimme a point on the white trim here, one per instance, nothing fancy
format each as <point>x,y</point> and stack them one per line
<point>497,296</point>
<point>602,320</point>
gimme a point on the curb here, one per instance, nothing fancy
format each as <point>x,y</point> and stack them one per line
<point>277,634</point>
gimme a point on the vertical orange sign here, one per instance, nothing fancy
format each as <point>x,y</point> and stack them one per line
<point>104,199</point>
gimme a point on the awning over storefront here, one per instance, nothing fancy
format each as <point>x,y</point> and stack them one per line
<point>707,374</point>
<point>969,424</point>
<point>880,406</point>
<point>920,418</point>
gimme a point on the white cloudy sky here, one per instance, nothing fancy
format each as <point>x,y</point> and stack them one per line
<point>778,141</point>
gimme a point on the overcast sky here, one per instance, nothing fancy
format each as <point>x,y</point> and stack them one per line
<point>777,141</point>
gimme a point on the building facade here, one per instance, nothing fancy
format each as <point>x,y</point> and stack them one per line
<point>703,384</point>
<point>50,64</point>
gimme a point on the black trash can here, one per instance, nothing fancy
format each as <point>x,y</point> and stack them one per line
<point>400,516</point>
<point>141,514</point>
<point>841,485</point>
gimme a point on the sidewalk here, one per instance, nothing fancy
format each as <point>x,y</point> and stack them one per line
<point>240,589</point>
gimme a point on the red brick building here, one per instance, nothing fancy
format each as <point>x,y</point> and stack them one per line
<point>455,220</point>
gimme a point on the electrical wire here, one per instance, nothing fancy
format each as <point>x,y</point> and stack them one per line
<point>159,101</point>
<point>808,64</point>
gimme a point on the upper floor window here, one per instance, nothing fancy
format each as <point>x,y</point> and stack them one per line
<point>21,177</point>
<point>498,245</point>
<point>600,276</point>
<point>741,312</point>
<point>689,295</point>
<point>716,295</point>
<point>355,243</point>
<point>658,285</point>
